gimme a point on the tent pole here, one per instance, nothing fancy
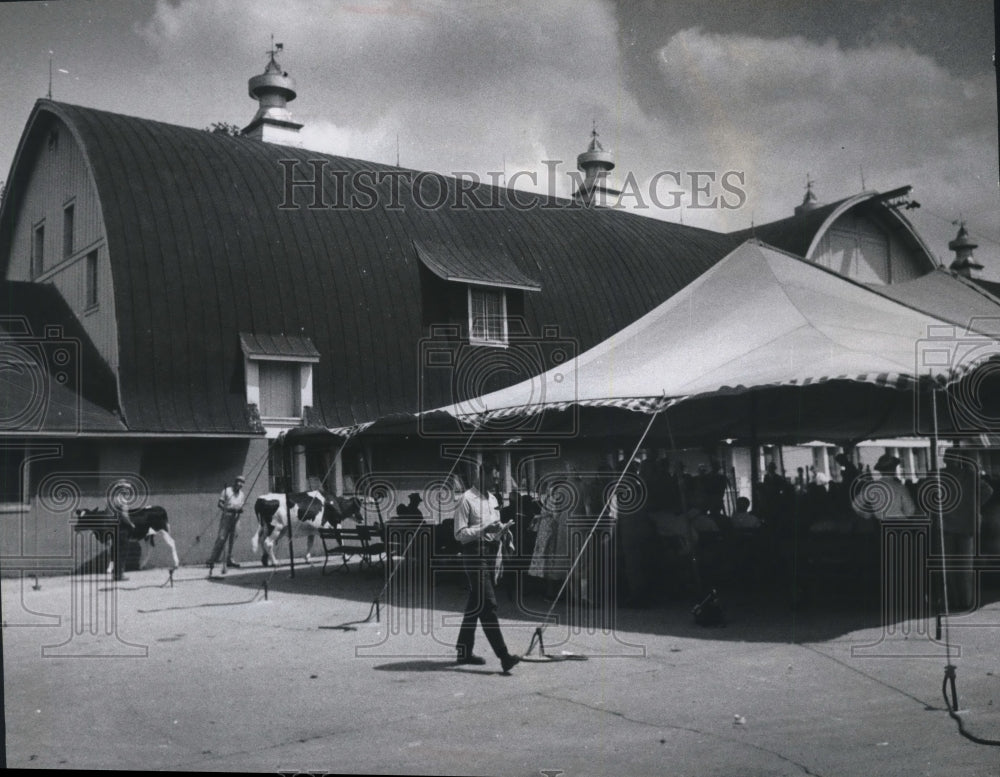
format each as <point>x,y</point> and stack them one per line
<point>286,452</point>
<point>949,669</point>
<point>678,476</point>
<point>537,637</point>
<point>754,454</point>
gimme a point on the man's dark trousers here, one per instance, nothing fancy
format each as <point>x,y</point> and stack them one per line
<point>481,604</point>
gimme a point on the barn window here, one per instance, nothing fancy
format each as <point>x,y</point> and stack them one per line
<point>68,213</point>
<point>38,251</point>
<point>487,316</point>
<point>486,274</point>
<point>279,389</point>
<point>91,279</point>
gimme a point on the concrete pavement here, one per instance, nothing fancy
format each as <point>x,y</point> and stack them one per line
<point>208,675</point>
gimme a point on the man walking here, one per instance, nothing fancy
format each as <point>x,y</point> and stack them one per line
<point>231,504</point>
<point>478,529</point>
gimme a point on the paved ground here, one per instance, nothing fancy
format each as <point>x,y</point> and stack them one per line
<point>208,675</point>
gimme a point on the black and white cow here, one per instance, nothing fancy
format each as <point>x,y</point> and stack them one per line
<point>146,523</point>
<point>306,512</point>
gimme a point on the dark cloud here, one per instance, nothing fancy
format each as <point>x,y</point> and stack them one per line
<point>899,92</point>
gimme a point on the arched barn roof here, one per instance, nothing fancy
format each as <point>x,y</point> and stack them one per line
<point>801,233</point>
<point>201,251</point>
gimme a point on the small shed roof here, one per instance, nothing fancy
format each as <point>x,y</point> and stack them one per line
<point>278,347</point>
<point>487,266</point>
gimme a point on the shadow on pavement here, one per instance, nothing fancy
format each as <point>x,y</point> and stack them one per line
<point>774,612</point>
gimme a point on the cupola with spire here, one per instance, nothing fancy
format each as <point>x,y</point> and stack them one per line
<point>963,246</point>
<point>273,89</point>
<point>809,202</point>
<point>595,163</point>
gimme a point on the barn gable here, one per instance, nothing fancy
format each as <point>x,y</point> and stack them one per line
<point>863,237</point>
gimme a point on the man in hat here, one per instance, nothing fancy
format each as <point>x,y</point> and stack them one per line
<point>887,497</point>
<point>231,504</point>
<point>403,528</point>
<point>413,508</point>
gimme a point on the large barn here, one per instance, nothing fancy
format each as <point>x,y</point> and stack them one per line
<point>175,298</point>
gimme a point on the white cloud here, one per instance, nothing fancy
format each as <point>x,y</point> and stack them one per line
<point>779,109</point>
<point>476,86</point>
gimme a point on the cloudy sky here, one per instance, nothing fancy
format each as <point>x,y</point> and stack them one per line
<point>888,92</point>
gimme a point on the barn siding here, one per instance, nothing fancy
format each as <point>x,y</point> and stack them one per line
<point>858,247</point>
<point>61,176</point>
<point>183,476</point>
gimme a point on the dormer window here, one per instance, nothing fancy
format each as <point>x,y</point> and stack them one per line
<point>490,276</point>
<point>279,377</point>
<point>487,316</point>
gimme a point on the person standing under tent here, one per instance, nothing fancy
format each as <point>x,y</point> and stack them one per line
<point>960,524</point>
<point>478,528</point>
<point>888,497</point>
<point>231,504</point>
<point>548,559</point>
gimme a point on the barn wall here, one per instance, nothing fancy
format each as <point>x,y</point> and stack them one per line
<point>184,476</point>
<point>60,176</point>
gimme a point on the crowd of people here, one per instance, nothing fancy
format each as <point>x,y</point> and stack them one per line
<point>691,530</point>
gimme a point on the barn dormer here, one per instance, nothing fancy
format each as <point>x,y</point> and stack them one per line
<point>279,378</point>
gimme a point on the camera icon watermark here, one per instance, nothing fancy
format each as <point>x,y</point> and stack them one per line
<point>970,359</point>
<point>98,550</point>
<point>562,535</point>
<point>41,378</point>
<point>933,552</point>
<point>467,371</point>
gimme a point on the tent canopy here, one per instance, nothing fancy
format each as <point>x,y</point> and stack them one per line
<point>949,297</point>
<point>759,318</point>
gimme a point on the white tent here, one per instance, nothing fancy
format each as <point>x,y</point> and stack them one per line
<point>759,318</point>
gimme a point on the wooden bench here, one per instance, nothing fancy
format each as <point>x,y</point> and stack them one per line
<point>362,540</point>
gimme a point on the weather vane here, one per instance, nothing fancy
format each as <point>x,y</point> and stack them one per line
<point>275,47</point>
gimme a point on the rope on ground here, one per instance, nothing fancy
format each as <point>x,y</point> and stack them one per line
<point>949,680</point>
<point>352,625</point>
<point>261,589</point>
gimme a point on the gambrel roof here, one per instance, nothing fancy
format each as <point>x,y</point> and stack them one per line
<point>202,250</point>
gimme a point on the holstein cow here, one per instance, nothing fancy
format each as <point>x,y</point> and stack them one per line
<point>146,523</point>
<point>306,512</point>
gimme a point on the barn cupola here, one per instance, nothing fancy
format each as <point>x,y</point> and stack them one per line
<point>595,163</point>
<point>809,202</point>
<point>273,89</point>
<point>963,246</point>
